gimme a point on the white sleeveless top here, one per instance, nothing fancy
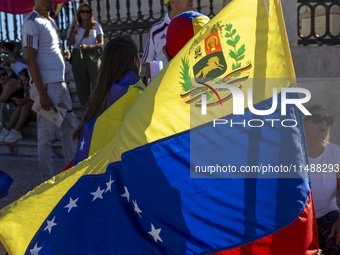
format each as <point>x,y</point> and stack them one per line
<point>324,185</point>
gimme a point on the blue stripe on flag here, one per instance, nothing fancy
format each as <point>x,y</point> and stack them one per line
<point>5,183</point>
<point>84,142</point>
<point>149,203</point>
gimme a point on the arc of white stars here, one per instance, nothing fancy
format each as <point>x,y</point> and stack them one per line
<point>137,210</point>
<point>50,225</point>
<point>82,143</point>
<point>108,185</point>
<point>126,194</point>
<point>71,204</point>
<point>35,250</point>
<point>155,233</point>
<point>97,194</point>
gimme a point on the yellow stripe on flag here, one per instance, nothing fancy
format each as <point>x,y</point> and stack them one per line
<point>23,218</point>
<point>108,122</point>
<point>272,67</point>
<point>39,207</point>
<point>58,8</point>
<point>162,111</point>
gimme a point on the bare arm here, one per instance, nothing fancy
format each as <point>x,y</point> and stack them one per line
<point>33,67</point>
<point>100,42</point>
<point>20,58</point>
<point>21,101</point>
<point>147,73</point>
<point>98,45</point>
<point>71,39</point>
<point>72,36</point>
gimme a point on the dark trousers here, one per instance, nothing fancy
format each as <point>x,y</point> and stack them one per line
<point>85,72</point>
<point>327,244</point>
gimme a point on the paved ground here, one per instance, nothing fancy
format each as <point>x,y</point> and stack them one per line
<point>25,174</point>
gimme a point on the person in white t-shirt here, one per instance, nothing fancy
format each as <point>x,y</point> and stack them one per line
<point>85,36</point>
<point>46,68</point>
<point>324,160</point>
<point>157,34</point>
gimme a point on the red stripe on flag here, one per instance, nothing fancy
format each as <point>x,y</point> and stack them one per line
<point>298,238</point>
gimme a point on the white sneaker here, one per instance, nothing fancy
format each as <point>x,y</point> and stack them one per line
<point>4,132</point>
<point>13,136</point>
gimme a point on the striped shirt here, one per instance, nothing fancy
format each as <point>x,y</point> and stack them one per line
<point>41,34</point>
<point>156,41</point>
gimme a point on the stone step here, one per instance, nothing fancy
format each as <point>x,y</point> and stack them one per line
<point>27,147</point>
<point>30,128</point>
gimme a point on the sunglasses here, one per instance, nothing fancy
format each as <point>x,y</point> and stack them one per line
<point>3,74</point>
<point>316,118</point>
<point>85,11</point>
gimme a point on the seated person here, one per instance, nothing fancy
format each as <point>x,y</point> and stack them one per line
<point>21,113</point>
<point>10,72</point>
<point>13,59</point>
<point>9,90</point>
<point>325,185</point>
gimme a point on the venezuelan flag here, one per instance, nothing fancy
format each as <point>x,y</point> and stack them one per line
<point>104,128</point>
<point>143,194</point>
<point>5,183</point>
<point>56,10</point>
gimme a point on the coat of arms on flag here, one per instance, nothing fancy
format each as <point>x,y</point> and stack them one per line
<point>212,66</point>
<point>136,194</point>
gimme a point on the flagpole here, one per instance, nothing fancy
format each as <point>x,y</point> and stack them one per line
<point>75,16</point>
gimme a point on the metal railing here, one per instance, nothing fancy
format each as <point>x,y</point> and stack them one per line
<point>10,27</point>
<point>117,17</point>
<point>318,22</point>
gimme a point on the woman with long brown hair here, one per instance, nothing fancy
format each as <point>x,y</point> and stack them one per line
<point>86,37</point>
<point>120,68</point>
